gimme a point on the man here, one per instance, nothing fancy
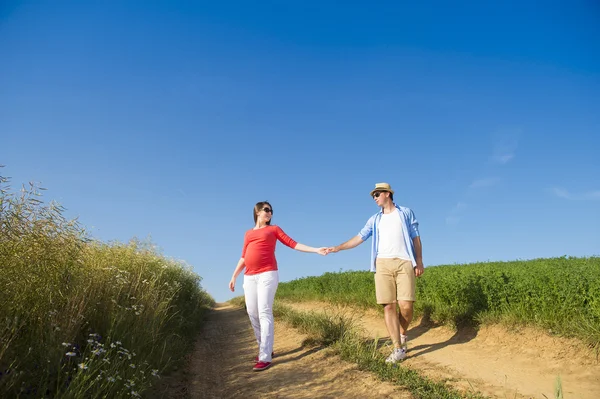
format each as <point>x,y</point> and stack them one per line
<point>396,259</point>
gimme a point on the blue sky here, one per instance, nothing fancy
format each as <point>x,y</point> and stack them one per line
<point>170,120</point>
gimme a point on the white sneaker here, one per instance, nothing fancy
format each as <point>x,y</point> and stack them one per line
<point>397,355</point>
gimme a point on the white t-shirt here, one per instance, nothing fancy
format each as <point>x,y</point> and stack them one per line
<point>391,239</point>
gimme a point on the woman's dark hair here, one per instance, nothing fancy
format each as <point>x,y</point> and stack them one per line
<point>259,207</point>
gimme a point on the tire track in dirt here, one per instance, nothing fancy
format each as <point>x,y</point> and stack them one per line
<point>491,360</point>
<point>221,365</point>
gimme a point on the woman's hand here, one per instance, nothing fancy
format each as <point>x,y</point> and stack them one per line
<point>322,251</point>
<point>232,285</point>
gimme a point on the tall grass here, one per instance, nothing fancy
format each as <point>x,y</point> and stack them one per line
<point>559,294</point>
<point>80,318</point>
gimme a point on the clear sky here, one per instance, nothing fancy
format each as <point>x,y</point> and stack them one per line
<point>170,120</point>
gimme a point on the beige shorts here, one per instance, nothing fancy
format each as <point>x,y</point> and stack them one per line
<point>394,280</point>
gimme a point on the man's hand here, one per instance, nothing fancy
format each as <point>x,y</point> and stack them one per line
<point>332,250</point>
<point>419,269</point>
<point>351,243</point>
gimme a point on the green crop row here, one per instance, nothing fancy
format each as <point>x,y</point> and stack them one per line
<point>557,294</point>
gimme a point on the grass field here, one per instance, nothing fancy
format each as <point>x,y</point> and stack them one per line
<point>561,295</point>
<point>81,318</point>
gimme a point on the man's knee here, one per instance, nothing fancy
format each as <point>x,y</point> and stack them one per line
<point>406,306</point>
<point>388,307</point>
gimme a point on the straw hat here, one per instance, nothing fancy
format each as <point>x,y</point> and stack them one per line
<point>382,187</point>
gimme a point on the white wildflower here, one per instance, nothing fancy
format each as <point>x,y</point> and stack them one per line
<point>98,351</point>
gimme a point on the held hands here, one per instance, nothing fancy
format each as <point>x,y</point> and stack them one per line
<point>322,251</point>
<point>332,250</point>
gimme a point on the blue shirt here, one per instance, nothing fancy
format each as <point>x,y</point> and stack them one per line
<point>410,230</point>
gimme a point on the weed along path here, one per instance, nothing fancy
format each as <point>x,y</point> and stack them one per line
<point>491,360</point>
<point>221,365</point>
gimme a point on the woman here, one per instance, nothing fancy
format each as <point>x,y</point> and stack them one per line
<point>261,277</point>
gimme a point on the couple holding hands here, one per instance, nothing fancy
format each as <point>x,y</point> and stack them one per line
<point>396,259</point>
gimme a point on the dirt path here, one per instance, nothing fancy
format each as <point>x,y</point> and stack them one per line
<point>221,366</point>
<point>491,360</point>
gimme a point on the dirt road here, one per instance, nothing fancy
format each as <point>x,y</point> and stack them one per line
<point>498,363</point>
<point>221,366</point>
<point>490,360</point>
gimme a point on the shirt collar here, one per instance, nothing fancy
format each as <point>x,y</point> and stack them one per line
<point>381,210</point>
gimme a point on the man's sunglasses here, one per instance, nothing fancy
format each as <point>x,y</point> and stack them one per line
<point>377,194</point>
<point>268,210</point>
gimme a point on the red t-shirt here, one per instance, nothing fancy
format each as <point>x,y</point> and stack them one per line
<point>259,248</point>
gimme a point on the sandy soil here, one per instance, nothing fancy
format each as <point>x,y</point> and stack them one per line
<point>221,366</point>
<point>491,360</point>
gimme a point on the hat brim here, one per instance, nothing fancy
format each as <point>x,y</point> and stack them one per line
<point>381,189</point>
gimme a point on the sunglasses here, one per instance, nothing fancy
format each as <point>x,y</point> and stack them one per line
<point>268,210</point>
<point>377,194</point>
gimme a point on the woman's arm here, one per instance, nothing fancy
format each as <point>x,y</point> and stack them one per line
<point>306,248</point>
<point>290,242</point>
<point>236,272</point>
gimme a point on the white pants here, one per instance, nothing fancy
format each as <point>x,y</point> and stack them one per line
<point>259,290</point>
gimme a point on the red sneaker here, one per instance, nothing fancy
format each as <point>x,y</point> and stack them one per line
<point>256,358</point>
<point>260,366</point>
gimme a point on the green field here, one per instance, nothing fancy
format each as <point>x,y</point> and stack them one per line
<point>561,295</point>
<point>84,319</point>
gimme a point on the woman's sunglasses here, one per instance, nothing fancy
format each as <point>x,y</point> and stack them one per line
<point>268,210</point>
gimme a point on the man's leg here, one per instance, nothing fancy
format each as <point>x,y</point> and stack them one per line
<point>405,282</point>
<point>405,316</point>
<point>385,290</point>
<point>390,315</point>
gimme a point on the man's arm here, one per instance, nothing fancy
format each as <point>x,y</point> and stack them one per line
<point>351,243</point>
<point>419,269</point>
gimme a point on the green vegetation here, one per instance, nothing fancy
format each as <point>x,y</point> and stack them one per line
<point>340,334</point>
<point>83,319</point>
<point>557,294</point>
